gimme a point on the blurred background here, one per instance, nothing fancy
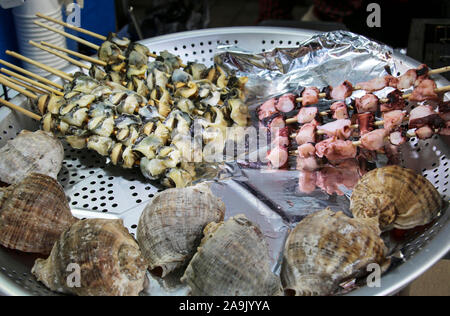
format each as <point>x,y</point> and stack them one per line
<point>417,28</point>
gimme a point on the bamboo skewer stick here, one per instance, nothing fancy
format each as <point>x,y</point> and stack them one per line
<point>83,41</point>
<point>72,27</point>
<point>32,82</point>
<point>13,86</point>
<point>51,70</point>
<point>21,110</point>
<point>60,55</point>
<point>23,84</point>
<point>76,54</point>
<point>65,34</point>
<point>30,74</point>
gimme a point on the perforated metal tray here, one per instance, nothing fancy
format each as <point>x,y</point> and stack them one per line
<point>97,190</point>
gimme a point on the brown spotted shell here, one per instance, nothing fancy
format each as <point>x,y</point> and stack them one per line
<point>33,214</point>
<point>232,260</point>
<point>327,249</point>
<point>38,152</point>
<point>109,260</point>
<point>171,226</point>
<point>399,197</point>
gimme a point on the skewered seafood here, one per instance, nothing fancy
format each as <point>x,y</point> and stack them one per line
<point>171,226</point>
<point>37,152</point>
<point>109,261</point>
<point>132,130</point>
<point>33,214</point>
<point>233,260</point>
<point>327,249</point>
<point>398,197</point>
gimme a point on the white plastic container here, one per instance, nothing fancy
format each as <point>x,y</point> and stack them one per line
<point>26,30</point>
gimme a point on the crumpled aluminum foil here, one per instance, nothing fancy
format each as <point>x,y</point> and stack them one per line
<point>325,59</point>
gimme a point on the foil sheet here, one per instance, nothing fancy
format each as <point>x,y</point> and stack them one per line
<point>323,60</point>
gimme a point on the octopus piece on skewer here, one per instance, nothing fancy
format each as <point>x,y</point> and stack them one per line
<point>341,92</point>
<point>336,150</point>
<point>444,110</point>
<point>425,91</point>
<point>425,132</point>
<point>368,103</point>
<point>278,155</point>
<point>307,115</point>
<point>341,129</point>
<point>395,101</point>
<point>267,109</point>
<point>374,84</point>
<point>339,111</point>
<point>310,96</point>
<point>286,103</point>
<point>398,137</point>
<point>374,140</point>
<point>366,122</point>
<point>307,159</point>
<point>307,134</point>
<point>393,119</point>
<point>425,115</point>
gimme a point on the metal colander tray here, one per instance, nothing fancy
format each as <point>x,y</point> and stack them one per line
<point>97,190</point>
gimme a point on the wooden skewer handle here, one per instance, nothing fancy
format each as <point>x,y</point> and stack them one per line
<point>32,82</point>
<point>30,74</point>
<point>76,54</point>
<point>13,86</point>
<point>60,55</point>
<point>65,34</point>
<point>72,27</point>
<point>21,110</point>
<point>51,70</point>
<point>23,84</point>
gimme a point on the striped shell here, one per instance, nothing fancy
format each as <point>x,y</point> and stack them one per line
<point>327,249</point>
<point>38,152</point>
<point>171,226</point>
<point>399,197</point>
<point>232,260</point>
<point>33,214</point>
<point>105,254</point>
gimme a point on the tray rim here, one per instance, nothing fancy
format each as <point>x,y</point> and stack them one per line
<point>395,280</point>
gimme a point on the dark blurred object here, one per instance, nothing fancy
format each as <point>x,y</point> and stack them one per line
<point>270,10</point>
<point>171,16</point>
<point>336,11</point>
<point>429,42</point>
<point>396,18</point>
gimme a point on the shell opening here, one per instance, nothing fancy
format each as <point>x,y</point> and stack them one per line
<point>289,292</point>
<point>158,271</point>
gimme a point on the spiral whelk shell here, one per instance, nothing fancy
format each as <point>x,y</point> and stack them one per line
<point>328,248</point>
<point>109,261</point>
<point>33,214</point>
<point>399,197</point>
<point>171,226</point>
<point>38,152</point>
<point>232,260</point>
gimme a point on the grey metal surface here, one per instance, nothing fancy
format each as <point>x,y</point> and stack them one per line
<point>97,190</point>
